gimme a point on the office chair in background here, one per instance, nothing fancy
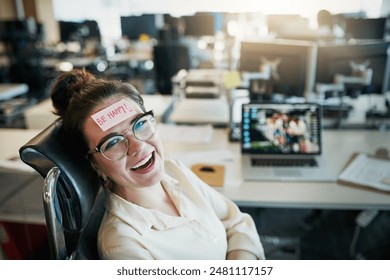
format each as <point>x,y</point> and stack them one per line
<point>169,59</point>
<point>73,197</point>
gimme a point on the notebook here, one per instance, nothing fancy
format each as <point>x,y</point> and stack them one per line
<point>283,142</point>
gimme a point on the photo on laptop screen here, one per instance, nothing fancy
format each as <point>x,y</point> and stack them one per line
<point>282,141</point>
<point>281,129</point>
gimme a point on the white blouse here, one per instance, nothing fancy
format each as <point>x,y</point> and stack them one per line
<point>209,226</point>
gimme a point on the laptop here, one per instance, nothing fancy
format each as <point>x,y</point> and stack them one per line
<point>283,142</point>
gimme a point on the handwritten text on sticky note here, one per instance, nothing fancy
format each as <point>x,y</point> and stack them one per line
<point>113,114</point>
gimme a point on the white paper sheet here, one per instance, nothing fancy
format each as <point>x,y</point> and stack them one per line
<point>186,133</point>
<point>368,171</point>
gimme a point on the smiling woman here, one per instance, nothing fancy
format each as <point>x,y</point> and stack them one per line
<point>156,207</point>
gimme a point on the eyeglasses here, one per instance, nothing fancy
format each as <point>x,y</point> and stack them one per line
<point>115,147</point>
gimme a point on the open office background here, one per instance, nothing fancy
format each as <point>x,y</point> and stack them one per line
<point>278,44</point>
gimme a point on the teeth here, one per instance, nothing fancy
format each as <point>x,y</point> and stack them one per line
<point>145,160</point>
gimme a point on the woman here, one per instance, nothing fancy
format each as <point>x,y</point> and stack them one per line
<point>156,208</point>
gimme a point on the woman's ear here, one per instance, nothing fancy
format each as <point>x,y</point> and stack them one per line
<point>102,175</point>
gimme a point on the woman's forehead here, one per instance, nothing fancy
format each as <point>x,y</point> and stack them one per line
<point>114,114</point>
<point>111,101</point>
<point>98,121</point>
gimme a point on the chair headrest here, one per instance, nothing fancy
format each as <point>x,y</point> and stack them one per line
<point>78,182</point>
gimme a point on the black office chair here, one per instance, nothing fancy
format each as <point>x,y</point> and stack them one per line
<point>72,195</point>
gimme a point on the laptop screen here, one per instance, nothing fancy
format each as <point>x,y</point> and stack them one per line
<point>281,129</point>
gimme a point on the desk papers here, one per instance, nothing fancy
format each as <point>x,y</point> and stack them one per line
<point>186,133</point>
<point>365,170</point>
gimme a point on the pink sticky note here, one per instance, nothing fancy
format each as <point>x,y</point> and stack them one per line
<point>113,114</point>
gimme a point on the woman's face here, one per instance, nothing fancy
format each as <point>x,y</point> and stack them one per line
<point>142,166</point>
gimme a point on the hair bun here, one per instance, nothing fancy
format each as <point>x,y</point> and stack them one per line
<point>66,86</point>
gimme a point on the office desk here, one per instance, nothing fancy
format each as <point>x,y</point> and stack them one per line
<point>26,206</point>
<point>338,146</point>
<point>77,62</point>
<point>201,111</point>
<point>136,56</point>
<point>20,186</point>
<point>8,91</point>
<point>11,105</point>
<point>21,197</point>
<point>216,111</point>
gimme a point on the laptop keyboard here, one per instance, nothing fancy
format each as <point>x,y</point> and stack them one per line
<point>307,162</point>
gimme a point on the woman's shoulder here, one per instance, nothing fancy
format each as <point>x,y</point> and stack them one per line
<point>173,165</point>
<point>179,173</point>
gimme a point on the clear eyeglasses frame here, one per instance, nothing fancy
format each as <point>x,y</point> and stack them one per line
<point>115,147</point>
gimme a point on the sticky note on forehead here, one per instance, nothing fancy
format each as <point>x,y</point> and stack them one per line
<point>113,114</point>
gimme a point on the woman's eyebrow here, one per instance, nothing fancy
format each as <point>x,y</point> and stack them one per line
<point>133,120</point>
<point>108,136</point>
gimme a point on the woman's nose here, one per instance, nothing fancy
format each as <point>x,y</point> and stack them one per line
<point>135,145</point>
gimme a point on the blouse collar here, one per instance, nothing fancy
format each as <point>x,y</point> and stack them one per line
<point>144,219</point>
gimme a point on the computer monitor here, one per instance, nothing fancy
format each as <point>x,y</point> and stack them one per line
<point>365,28</point>
<point>16,30</point>
<point>292,64</point>
<point>198,25</point>
<point>69,30</point>
<point>20,37</point>
<point>93,29</point>
<point>134,26</point>
<point>338,59</point>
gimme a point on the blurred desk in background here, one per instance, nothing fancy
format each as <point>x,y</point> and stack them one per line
<point>41,115</point>
<point>12,104</point>
<point>22,219</point>
<point>339,145</point>
<point>76,62</point>
<point>201,111</point>
<point>8,91</point>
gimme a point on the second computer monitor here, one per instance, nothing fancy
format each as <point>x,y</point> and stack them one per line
<point>69,30</point>
<point>291,63</point>
<point>134,26</point>
<point>365,28</point>
<point>200,24</point>
<point>347,59</point>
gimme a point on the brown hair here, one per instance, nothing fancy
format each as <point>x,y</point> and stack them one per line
<point>74,95</point>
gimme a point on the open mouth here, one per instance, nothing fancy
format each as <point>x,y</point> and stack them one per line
<point>145,163</point>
